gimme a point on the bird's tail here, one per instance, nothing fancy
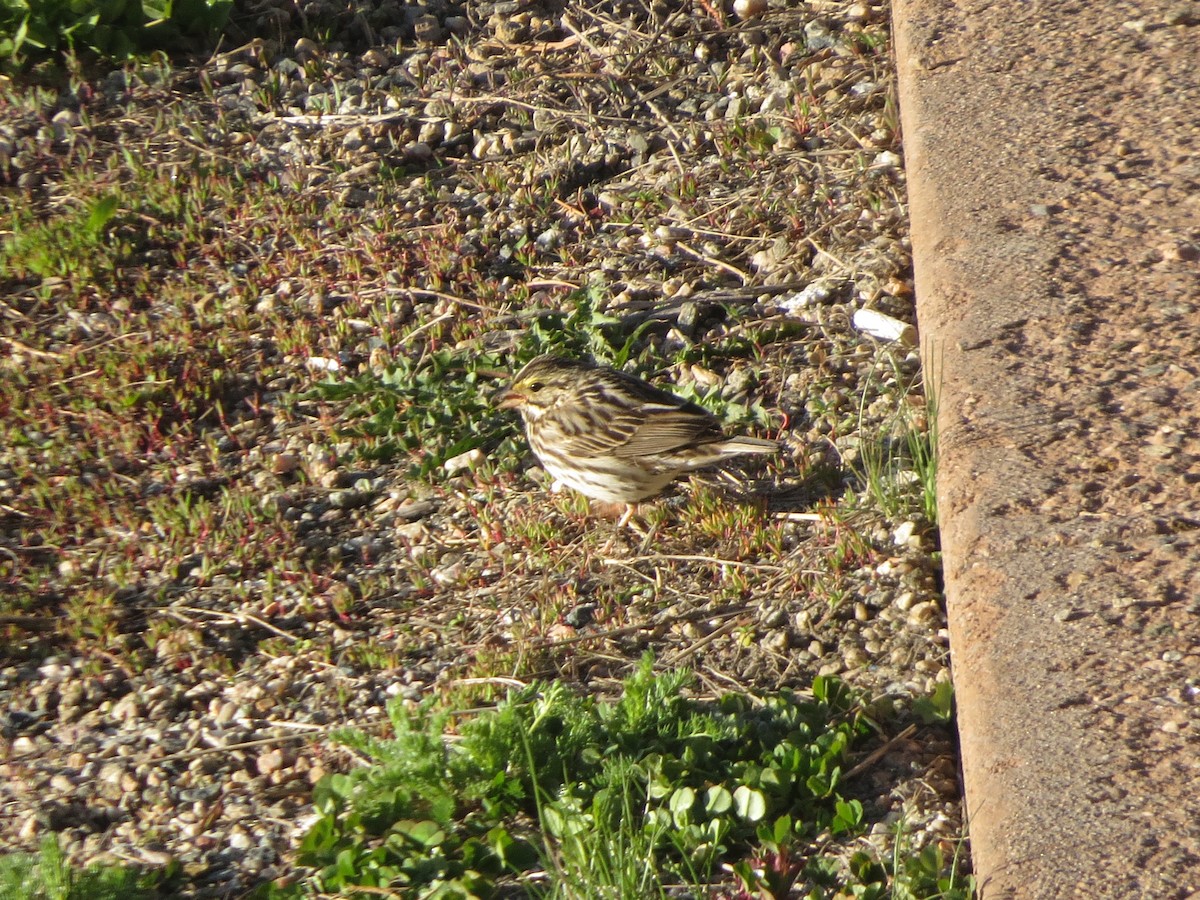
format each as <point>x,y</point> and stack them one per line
<point>744,444</point>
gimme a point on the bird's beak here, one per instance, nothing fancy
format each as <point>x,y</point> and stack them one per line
<point>510,399</point>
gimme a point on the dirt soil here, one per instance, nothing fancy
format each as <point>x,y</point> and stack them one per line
<point>1055,198</point>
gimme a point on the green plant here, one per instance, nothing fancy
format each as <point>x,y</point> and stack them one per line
<point>898,458</point>
<point>432,409</point>
<point>615,793</point>
<point>927,874</point>
<point>938,707</point>
<point>583,330</point>
<point>778,864</point>
<point>46,875</point>
<point>112,29</point>
<point>923,451</point>
<point>77,244</point>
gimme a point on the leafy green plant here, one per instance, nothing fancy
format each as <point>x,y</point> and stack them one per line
<point>46,875</point>
<point>938,707</point>
<point>732,412</point>
<point>776,866</point>
<point>75,244</point>
<point>927,873</point>
<point>432,408</point>
<point>112,29</point>
<point>581,791</point>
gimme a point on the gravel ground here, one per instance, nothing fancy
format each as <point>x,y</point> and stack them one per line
<point>207,582</point>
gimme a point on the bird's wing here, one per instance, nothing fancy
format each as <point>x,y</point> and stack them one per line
<point>668,430</point>
<point>649,430</point>
<point>648,422</point>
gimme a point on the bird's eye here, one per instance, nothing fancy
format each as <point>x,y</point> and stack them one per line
<point>535,386</point>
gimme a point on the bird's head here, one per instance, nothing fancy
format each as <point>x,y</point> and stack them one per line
<point>542,384</point>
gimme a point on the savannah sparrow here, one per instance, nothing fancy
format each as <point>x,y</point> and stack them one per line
<point>614,437</point>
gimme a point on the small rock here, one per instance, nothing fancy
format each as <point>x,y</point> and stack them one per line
<point>469,460</point>
<point>226,713</point>
<point>749,9</point>
<point>1181,251</point>
<point>375,58</point>
<point>112,773</point>
<point>306,49</point>
<point>429,29</point>
<point>64,123</point>
<point>1183,14</point>
<point>23,746</point>
<point>855,658</point>
<point>271,761</point>
<point>581,615</point>
<point>127,709</point>
<point>448,576</point>
<point>322,364</point>
<point>418,151</point>
<point>285,463</point>
<point>817,35</point>
<point>156,857</point>
<point>887,159</point>
<point>763,261</point>
<point>858,12</point>
<point>30,828</point>
<point>922,613</point>
<point>776,642</point>
<point>349,499</point>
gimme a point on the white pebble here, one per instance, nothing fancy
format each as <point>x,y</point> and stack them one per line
<point>749,9</point>
<point>903,533</point>
<point>468,460</point>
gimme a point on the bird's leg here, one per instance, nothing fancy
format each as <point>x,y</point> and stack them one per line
<point>630,509</point>
<point>626,519</point>
<point>609,509</point>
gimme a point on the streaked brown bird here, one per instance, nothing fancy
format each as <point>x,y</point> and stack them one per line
<point>614,437</point>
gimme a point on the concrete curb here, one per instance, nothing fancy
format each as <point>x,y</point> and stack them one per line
<point>1055,200</point>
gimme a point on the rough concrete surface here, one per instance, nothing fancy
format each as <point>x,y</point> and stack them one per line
<point>1053,152</point>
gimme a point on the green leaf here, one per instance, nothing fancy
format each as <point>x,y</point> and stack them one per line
<point>717,800</point>
<point>781,831</point>
<point>938,707</point>
<point>681,804</point>
<point>156,10</point>
<point>847,816</point>
<point>100,214</point>
<point>425,834</point>
<point>749,804</point>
